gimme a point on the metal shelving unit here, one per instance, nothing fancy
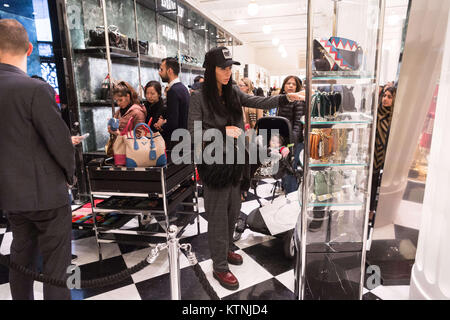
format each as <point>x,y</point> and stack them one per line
<point>330,260</point>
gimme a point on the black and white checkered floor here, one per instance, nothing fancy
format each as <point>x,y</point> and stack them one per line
<point>265,275</point>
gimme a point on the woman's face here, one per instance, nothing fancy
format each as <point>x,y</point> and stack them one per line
<point>290,86</point>
<point>122,102</point>
<point>244,88</point>
<point>387,99</point>
<point>223,75</point>
<point>151,95</point>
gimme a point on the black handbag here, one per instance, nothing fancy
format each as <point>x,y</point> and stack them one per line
<point>143,46</point>
<point>116,39</point>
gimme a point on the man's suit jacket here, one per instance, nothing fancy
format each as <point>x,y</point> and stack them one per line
<point>36,152</point>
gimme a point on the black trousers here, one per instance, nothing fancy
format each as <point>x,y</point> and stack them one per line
<point>48,232</point>
<point>222,207</point>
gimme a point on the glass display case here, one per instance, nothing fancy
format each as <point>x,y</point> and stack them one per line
<point>341,87</point>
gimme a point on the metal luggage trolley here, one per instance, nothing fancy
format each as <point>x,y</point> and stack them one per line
<point>148,193</point>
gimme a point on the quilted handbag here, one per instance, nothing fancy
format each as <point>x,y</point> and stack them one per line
<point>145,151</point>
<point>336,54</point>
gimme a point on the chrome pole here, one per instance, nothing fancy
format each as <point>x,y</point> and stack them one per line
<point>174,263</point>
<point>138,51</point>
<point>300,268</point>
<point>380,32</point>
<point>178,34</point>
<point>108,55</point>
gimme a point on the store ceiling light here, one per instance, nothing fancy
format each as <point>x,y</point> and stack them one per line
<point>275,41</point>
<point>6,5</point>
<point>284,55</point>
<point>281,49</point>
<point>267,29</point>
<point>253,8</point>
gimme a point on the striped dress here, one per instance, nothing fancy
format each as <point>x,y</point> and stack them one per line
<point>383,126</point>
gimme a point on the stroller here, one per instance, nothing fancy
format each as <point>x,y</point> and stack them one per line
<point>262,170</point>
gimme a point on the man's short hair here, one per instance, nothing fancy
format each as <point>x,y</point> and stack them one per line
<point>13,37</point>
<point>173,64</point>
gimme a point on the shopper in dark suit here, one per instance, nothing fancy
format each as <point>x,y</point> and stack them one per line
<point>36,166</point>
<point>177,100</point>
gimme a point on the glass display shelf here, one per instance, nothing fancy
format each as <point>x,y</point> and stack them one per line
<point>347,120</point>
<point>350,166</point>
<point>337,206</point>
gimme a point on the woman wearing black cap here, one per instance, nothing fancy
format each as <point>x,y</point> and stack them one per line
<point>218,106</point>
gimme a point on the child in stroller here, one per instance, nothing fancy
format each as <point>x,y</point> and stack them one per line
<point>276,166</point>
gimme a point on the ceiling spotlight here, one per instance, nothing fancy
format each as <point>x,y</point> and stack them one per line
<point>6,5</point>
<point>284,54</point>
<point>253,8</point>
<point>281,49</point>
<point>267,29</point>
<point>189,20</point>
<point>275,41</point>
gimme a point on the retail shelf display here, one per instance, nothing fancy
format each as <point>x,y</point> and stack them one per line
<point>342,94</point>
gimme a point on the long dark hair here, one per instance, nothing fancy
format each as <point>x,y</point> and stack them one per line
<point>123,88</point>
<point>155,85</point>
<point>232,109</point>
<point>298,83</point>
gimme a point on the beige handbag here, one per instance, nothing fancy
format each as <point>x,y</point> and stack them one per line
<point>119,146</point>
<point>147,151</point>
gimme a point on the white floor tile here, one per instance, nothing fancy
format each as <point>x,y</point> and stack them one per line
<point>5,291</point>
<point>87,252</point>
<point>6,243</point>
<point>384,233</point>
<point>157,268</point>
<point>409,214</point>
<point>288,279</point>
<point>249,274</point>
<point>192,229</point>
<point>125,293</point>
<point>249,206</point>
<point>250,238</point>
<point>392,292</point>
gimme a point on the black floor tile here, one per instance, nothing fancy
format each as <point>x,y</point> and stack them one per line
<point>271,289</point>
<point>158,288</point>
<point>81,234</point>
<point>395,258</point>
<point>406,233</point>
<point>370,296</point>
<point>4,273</point>
<point>270,255</point>
<point>99,269</point>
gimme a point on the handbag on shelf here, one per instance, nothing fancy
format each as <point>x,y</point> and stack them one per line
<point>133,46</point>
<point>145,151</point>
<point>326,105</point>
<point>322,145</point>
<point>336,54</point>
<point>116,39</point>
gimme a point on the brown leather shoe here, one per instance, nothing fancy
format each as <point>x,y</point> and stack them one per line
<point>227,280</point>
<point>234,258</point>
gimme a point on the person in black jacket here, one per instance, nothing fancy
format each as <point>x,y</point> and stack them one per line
<point>37,165</point>
<point>293,112</point>
<point>217,105</point>
<point>154,104</point>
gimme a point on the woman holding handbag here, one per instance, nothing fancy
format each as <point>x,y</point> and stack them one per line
<point>218,105</point>
<point>129,107</point>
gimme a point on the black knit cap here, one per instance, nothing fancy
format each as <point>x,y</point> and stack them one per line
<point>219,57</point>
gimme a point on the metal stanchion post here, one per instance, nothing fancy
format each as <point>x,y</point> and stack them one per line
<point>174,263</point>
